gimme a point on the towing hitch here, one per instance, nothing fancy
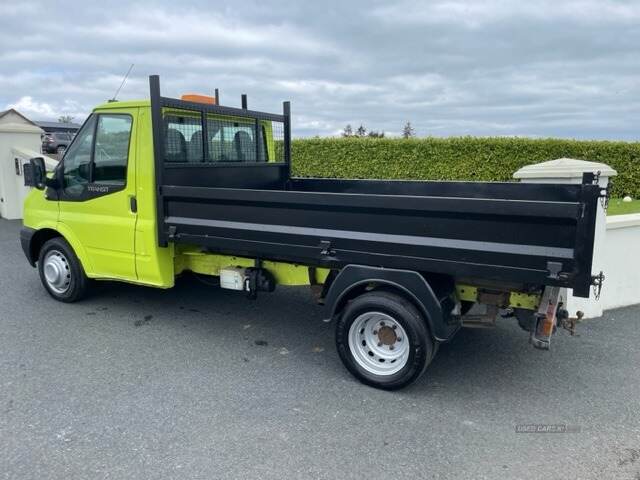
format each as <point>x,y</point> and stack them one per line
<point>547,316</point>
<point>570,324</point>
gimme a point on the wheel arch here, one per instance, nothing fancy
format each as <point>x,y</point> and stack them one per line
<point>36,242</point>
<point>42,235</point>
<point>354,280</point>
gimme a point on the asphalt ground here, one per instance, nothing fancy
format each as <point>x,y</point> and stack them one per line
<point>198,382</point>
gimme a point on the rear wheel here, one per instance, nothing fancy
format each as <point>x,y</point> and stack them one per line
<point>61,272</point>
<point>383,340</point>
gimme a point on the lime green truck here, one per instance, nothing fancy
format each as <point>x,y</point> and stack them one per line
<point>151,189</point>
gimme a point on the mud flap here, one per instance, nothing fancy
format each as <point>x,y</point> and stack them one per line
<point>546,317</point>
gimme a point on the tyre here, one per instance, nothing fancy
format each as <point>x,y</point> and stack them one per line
<point>61,272</point>
<point>383,340</point>
<point>60,151</point>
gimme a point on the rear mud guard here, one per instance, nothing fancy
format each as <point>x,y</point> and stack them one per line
<point>410,283</point>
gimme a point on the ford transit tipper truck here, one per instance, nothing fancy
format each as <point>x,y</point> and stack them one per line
<point>150,189</point>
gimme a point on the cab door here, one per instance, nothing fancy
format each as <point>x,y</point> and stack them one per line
<point>97,196</point>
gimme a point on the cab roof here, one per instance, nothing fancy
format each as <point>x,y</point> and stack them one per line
<point>124,104</point>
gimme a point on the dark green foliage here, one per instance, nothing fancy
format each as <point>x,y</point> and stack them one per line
<point>457,158</point>
<point>375,134</point>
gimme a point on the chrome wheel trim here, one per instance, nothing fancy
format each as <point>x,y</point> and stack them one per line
<point>57,271</point>
<point>378,343</point>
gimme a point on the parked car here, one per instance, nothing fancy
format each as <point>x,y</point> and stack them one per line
<point>56,142</point>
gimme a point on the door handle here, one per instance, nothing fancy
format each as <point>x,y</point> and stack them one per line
<point>133,204</point>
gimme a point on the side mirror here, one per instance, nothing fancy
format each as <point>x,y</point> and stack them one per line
<point>35,173</point>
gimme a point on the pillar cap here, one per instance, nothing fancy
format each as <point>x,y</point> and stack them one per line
<point>564,168</point>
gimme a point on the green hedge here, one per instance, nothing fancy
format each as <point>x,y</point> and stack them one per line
<point>457,158</point>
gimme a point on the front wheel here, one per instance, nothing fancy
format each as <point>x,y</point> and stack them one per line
<point>61,272</point>
<point>383,340</point>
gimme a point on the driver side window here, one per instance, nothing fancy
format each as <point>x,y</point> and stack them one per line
<point>99,156</point>
<point>77,161</point>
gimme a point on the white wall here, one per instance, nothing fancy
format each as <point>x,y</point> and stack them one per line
<point>621,262</point>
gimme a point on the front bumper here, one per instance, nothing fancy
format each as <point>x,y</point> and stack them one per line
<point>26,236</point>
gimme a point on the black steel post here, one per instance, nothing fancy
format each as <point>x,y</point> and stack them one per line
<point>243,98</point>
<point>158,153</point>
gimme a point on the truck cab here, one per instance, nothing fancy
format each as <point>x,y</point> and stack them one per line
<point>92,197</point>
<point>103,197</point>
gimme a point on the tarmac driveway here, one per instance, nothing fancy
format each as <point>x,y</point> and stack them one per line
<point>197,382</point>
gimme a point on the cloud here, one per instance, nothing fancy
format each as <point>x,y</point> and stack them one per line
<point>478,13</point>
<point>198,32</point>
<point>452,67</point>
<point>39,110</point>
<point>27,106</point>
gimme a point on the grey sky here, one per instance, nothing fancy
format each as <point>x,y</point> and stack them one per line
<point>494,67</point>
